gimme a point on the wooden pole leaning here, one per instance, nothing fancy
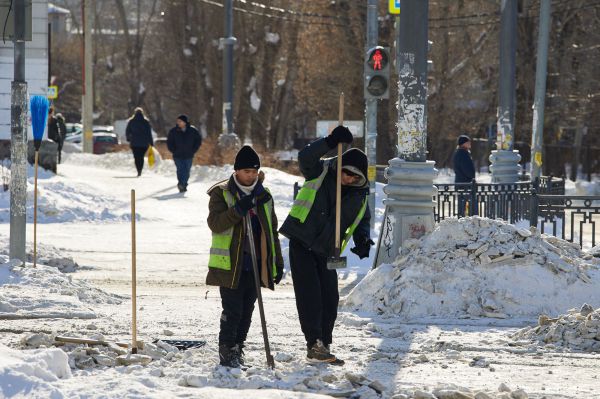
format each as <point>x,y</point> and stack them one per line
<point>133,278</point>
<point>35,179</point>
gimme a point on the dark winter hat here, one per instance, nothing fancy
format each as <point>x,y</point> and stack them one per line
<point>246,158</point>
<point>356,162</point>
<point>183,118</point>
<point>463,138</point>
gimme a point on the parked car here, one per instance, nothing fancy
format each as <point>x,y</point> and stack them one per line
<point>75,132</point>
<point>104,142</point>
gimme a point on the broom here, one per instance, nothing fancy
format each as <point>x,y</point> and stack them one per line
<point>39,114</point>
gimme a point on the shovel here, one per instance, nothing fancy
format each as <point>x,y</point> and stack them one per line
<point>337,261</point>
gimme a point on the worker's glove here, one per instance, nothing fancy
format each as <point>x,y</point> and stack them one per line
<point>278,276</point>
<point>340,134</point>
<point>244,205</point>
<point>363,246</point>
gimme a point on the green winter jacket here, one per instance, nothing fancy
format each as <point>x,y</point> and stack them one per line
<point>221,217</point>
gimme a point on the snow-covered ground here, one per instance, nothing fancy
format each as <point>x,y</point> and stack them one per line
<point>461,347</point>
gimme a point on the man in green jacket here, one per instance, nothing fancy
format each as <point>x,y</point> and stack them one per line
<point>230,262</point>
<point>310,227</point>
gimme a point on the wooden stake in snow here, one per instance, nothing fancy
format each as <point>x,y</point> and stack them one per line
<point>133,278</point>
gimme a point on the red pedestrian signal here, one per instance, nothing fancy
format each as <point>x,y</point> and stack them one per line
<point>377,73</point>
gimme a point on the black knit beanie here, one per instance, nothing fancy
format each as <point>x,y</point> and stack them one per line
<point>183,118</point>
<point>356,159</point>
<point>246,158</point>
<point>463,138</point>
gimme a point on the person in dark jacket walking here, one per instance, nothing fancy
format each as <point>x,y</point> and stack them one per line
<point>183,141</point>
<point>230,262</point>
<point>139,136</point>
<point>57,130</point>
<point>464,170</point>
<point>310,226</point>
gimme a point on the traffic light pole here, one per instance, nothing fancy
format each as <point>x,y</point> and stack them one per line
<point>537,137</point>
<point>88,90</point>
<point>18,140</point>
<point>371,112</point>
<point>409,204</point>
<point>505,162</point>
<point>228,138</point>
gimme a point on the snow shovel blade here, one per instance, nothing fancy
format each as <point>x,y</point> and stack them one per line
<point>336,262</point>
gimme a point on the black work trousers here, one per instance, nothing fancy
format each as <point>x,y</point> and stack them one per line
<point>238,305</point>
<point>138,156</point>
<point>317,295</point>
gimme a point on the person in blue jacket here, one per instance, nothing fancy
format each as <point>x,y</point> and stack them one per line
<point>183,141</point>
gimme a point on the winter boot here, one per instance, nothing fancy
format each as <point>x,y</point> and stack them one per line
<point>228,356</point>
<point>319,354</point>
<point>241,356</point>
<point>338,361</point>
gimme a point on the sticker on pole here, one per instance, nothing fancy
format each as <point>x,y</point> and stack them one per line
<point>52,92</point>
<point>394,7</point>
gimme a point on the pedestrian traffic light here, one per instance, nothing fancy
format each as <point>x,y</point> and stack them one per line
<point>377,73</point>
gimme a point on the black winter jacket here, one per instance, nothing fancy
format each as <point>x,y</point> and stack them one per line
<point>183,144</point>
<point>139,132</point>
<point>464,170</point>
<point>317,233</point>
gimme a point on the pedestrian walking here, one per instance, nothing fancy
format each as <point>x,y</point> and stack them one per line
<point>464,170</point>
<point>183,141</point>
<point>230,262</point>
<point>310,226</point>
<point>139,135</point>
<point>57,130</point>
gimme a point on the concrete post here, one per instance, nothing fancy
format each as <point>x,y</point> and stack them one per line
<point>371,112</point>
<point>88,89</point>
<point>409,192</point>
<point>18,140</point>
<point>505,162</point>
<point>537,136</point>
<point>228,138</point>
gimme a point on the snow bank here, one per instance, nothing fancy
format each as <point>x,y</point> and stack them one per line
<point>31,373</point>
<point>480,267</point>
<point>577,330</point>
<point>46,255</point>
<point>41,292</point>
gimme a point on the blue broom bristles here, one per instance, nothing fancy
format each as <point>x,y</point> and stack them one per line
<point>39,115</point>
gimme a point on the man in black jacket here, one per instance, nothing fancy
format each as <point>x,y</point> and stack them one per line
<point>57,130</point>
<point>183,141</point>
<point>310,227</point>
<point>464,170</point>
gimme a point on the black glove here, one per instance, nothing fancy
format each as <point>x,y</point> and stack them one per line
<point>340,134</point>
<point>278,276</point>
<point>362,248</point>
<point>244,204</point>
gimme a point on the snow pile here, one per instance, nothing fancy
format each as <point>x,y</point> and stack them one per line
<point>577,330</point>
<point>46,255</point>
<point>455,392</point>
<point>45,292</point>
<point>29,373</point>
<point>480,267</point>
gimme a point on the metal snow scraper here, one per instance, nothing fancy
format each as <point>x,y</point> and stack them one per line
<point>270,360</point>
<point>337,261</point>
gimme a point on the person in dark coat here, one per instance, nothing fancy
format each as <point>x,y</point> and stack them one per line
<point>464,169</point>
<point>183,141</point>
<point>310,226</point>
<point>230,263</point>
<point>139,136</point>
<point>57,130</point>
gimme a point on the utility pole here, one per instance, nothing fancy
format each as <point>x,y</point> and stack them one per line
<point>537,136</point>
<point>409,202</point>
<point>505,162</point>
<point>228,138</point>
<point>371,112</point>
<point>88,90</point>
<point>18,140</point>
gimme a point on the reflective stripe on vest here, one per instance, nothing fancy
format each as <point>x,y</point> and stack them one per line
<point>306,196</point>
<point>354,225</point>
<point>220,257</point>
<point>268,206</point>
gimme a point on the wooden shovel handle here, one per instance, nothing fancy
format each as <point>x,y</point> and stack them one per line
<point>338,191</point>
